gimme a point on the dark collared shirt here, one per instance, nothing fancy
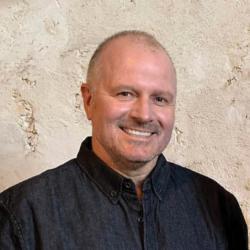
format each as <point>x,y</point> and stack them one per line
<point>84,204</point>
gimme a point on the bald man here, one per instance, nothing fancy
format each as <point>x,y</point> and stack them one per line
<point>120,192</point>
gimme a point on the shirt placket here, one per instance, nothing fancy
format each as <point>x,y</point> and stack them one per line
<point>149,227</point>
<point>136,208</point>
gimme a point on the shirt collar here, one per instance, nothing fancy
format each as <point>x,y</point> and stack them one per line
<point>111,182</point>
<point>160,176</point>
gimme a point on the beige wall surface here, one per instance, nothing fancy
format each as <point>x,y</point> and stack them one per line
<point>44,50</point>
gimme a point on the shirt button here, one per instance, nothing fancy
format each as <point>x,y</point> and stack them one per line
<point>127,185</point>
<point>140,219</point>
<point>113,193</point>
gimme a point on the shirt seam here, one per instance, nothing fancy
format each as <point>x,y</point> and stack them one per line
<point>15,223</point>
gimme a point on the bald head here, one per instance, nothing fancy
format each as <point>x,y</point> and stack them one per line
<point>134,38</point>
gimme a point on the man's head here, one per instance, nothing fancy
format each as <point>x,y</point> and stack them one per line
<point>136,37</point>
<point>130,99</point>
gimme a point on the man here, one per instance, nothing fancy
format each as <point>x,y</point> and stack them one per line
<point>120,192</point>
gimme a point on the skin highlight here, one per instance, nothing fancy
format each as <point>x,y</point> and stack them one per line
<point>132,107</point>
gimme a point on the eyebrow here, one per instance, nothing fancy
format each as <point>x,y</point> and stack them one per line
<point>125,86</point>
<point>154,93</point>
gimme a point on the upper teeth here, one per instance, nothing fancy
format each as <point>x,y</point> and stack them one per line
<point>136,132</point>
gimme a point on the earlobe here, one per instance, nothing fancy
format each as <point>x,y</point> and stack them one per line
<point>87,99</point>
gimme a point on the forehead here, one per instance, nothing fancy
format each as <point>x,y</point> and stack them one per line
<point>123,47</point>
<point>124,58</point>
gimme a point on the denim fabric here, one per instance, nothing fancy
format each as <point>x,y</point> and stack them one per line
<point>83,204</point>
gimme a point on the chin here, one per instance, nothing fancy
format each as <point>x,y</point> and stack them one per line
<point>137,159</point>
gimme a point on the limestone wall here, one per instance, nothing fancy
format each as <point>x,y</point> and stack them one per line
<point>44,50</point>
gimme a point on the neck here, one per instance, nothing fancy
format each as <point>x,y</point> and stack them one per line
<point>136,171</point>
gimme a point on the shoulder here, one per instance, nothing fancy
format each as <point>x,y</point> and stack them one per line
<point>211,195</point>
<point>217,204</point>
<point>184,176</point>
<point>41,185</point>
<point>32,202</point>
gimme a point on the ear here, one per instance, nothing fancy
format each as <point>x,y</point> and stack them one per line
<point>87,99</point>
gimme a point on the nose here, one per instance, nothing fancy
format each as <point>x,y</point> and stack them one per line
<point>142,110</point>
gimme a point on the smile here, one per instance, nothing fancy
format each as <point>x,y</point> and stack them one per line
<point>137,132</point>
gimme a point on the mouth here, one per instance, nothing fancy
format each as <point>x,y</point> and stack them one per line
<point>139,133</point>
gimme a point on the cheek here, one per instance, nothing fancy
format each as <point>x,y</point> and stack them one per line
<point>114,111</point>
<point>167,119</point>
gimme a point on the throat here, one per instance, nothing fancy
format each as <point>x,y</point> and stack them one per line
<point>139,192</point>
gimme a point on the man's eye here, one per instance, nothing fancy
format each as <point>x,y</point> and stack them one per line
<point>161,100</point>
<point>125,95</point>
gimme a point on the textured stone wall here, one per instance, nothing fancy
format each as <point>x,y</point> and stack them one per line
<point>44,50</point>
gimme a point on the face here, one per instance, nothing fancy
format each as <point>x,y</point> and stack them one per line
<point>132,104</point>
